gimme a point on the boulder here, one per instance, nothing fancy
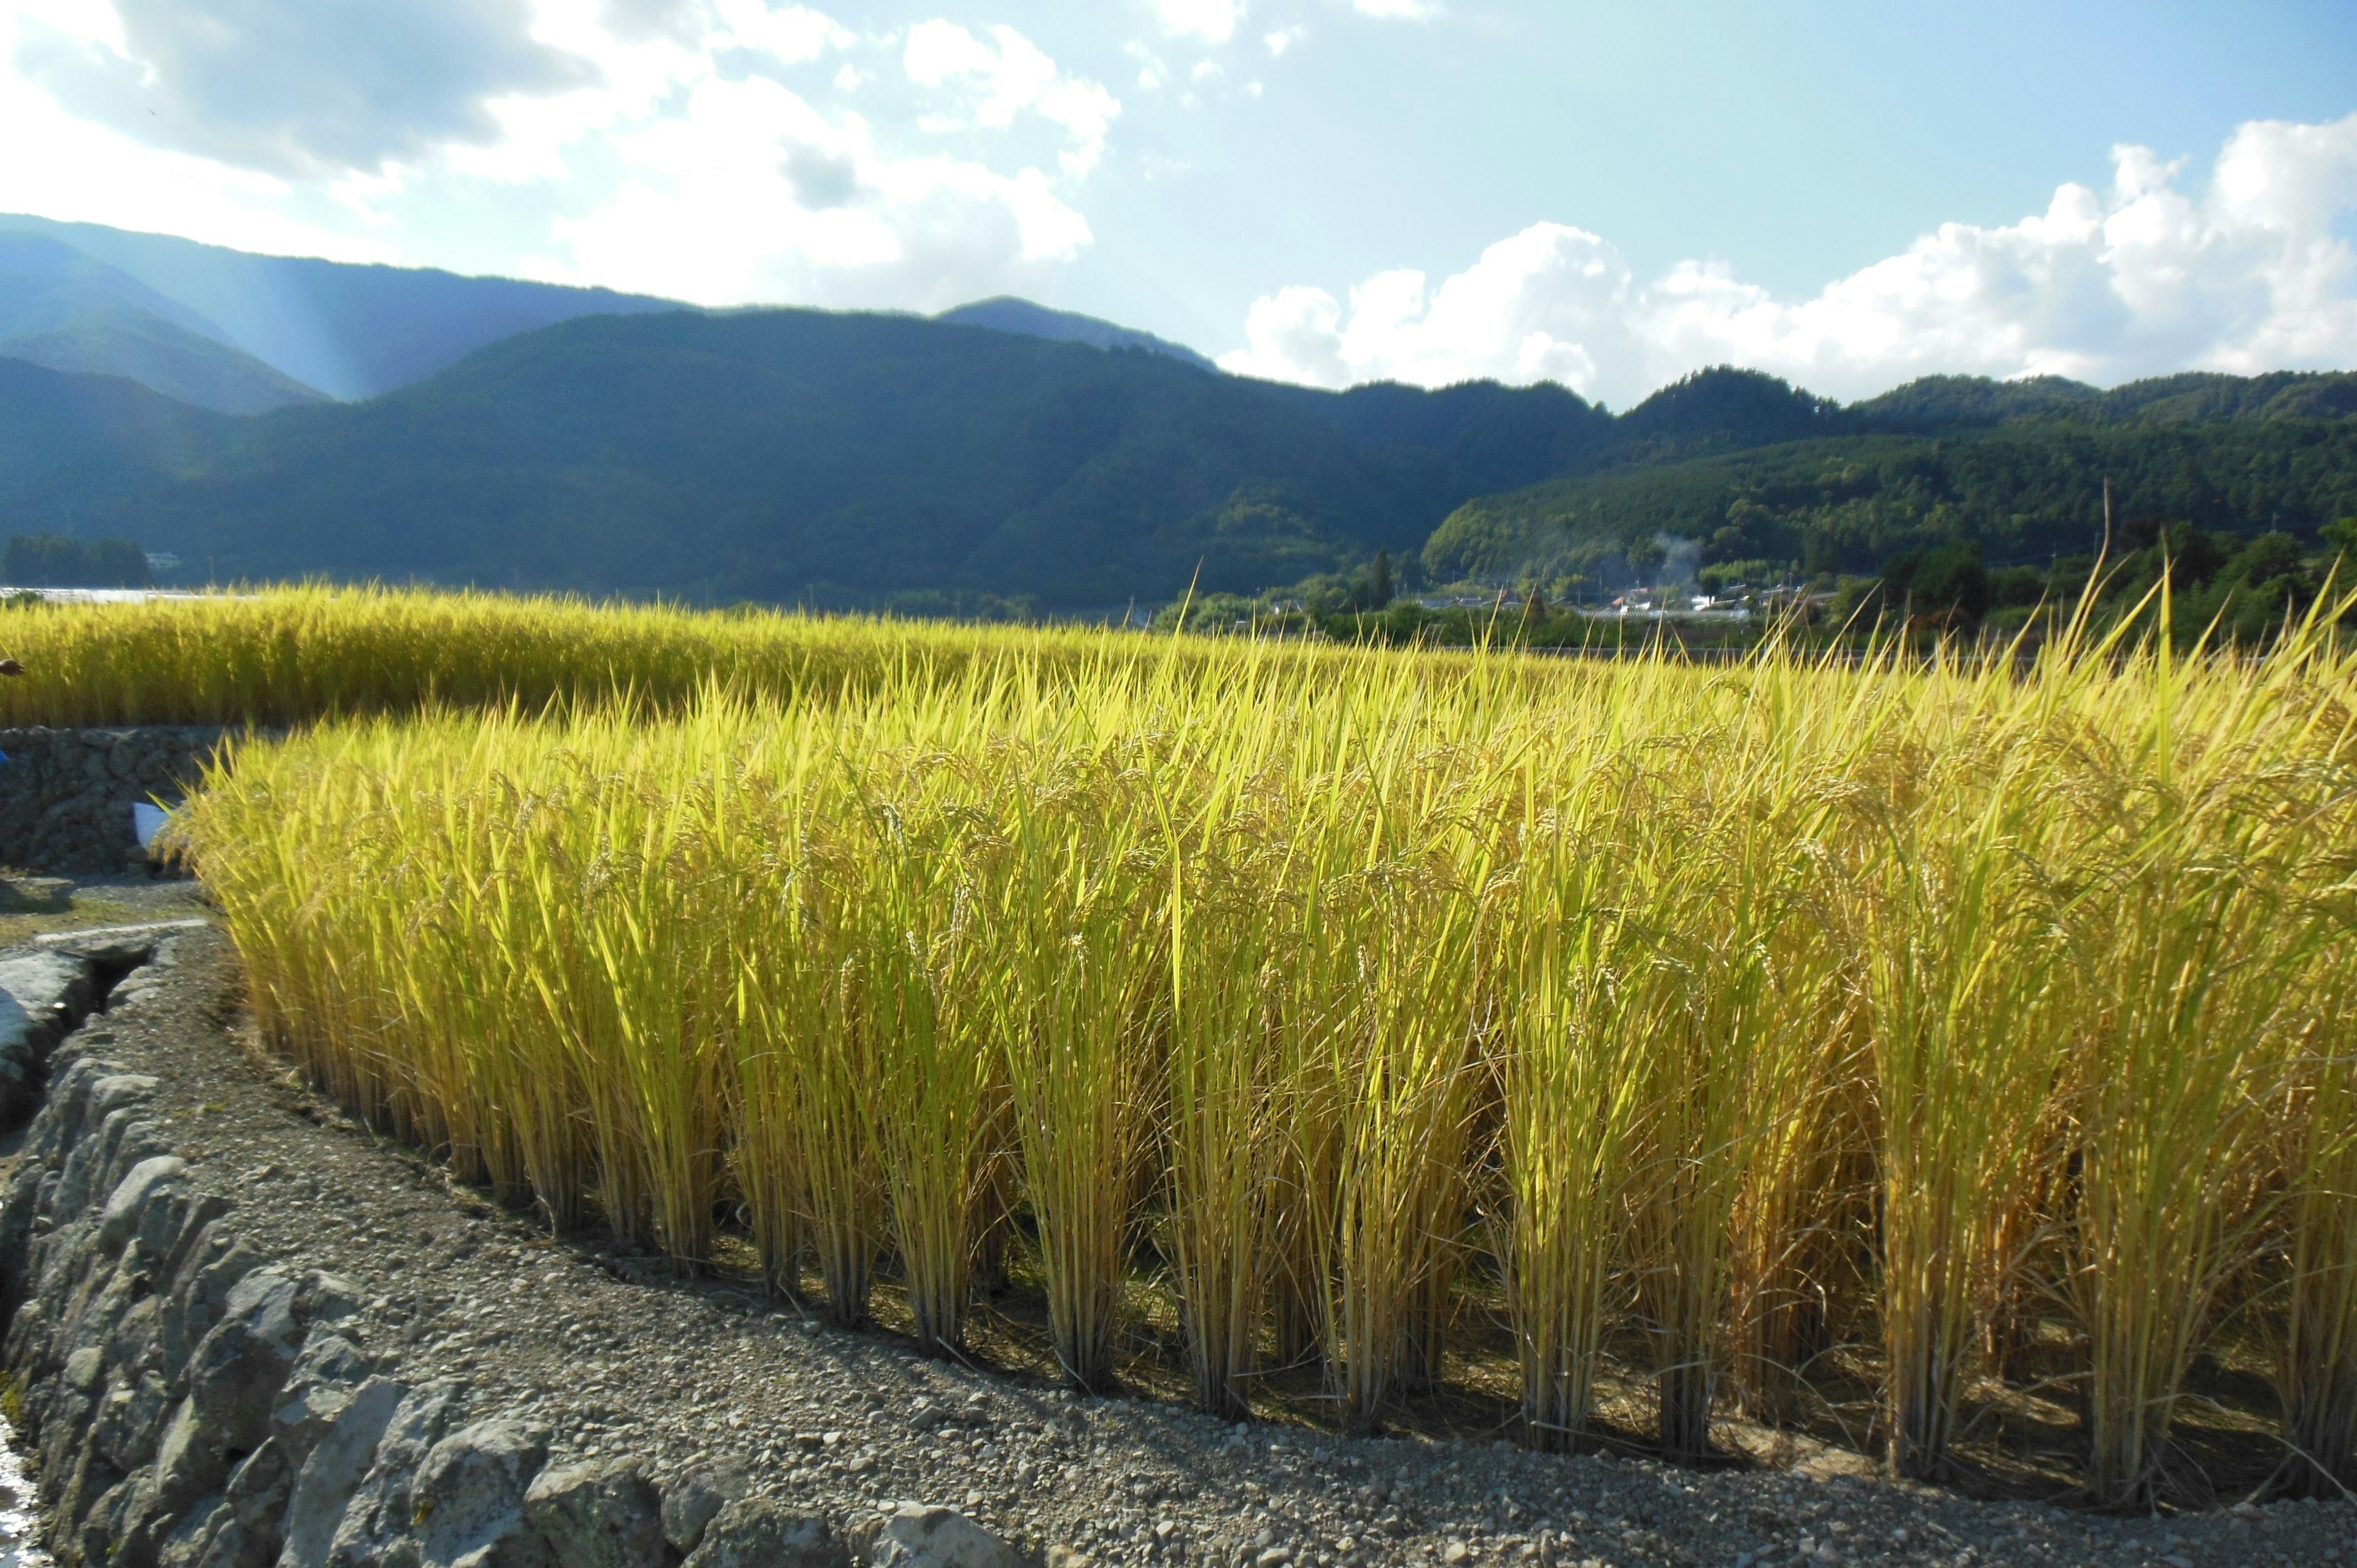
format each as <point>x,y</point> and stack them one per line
<point>756,1533</point>
<point>242,1532</point>
<point>469,1497</point>
<point>326,1373</point>
<point>914,1536</point>
<point>338,1446</point>
<point>692,1500</point>
<point>41,995</point>
<point>375,1527</point>
<point>233,1380</point>
<point>606,1514</point>
<point>126,1206</point>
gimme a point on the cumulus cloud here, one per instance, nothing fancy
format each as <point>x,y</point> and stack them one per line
<point>294,86</point>
<point>754,194</point>
<point>1399,10</point>
<point>1212,21</point>
<point>720,151</point>
<point>743,187</point>
<point>2253,272</point>
<point>1009,75</point>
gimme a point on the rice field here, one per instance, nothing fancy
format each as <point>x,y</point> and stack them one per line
<point>287,656</point>
<point>1704,1023</point>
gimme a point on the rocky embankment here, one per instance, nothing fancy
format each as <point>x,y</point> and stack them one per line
<point>66,794</point>
<point>248,1333</point>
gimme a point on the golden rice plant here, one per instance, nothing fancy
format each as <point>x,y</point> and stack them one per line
<point>1759,1006</point>
<point>1966,973</point>
<point>2317,1370</point>
<point>1570,1087</point>
<point>1220,1132</point>
<point>921,951</point>
<point>1073,992</point>
<point>2188,842</point>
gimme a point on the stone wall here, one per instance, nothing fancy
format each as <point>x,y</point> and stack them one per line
<point>66,794</point>
<point>191,1402</point>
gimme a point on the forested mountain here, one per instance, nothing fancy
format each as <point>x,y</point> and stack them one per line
<point>1005,313</point>
<point>67,311</point>
<point>1936,404</point>
<point>833,458</point>
<point>350,331</point>
<point>73,445</point>
<point>858,460</point>
<point>2027,491</point>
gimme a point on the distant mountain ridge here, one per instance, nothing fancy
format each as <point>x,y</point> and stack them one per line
<point>849,459</point>
<point>528,436</point>
<point>350,331</point>
<point>297,329</point>
<point>65,310</point>
<point>2019,471</point>
<point>1005,313</point>
<point>829,458</point>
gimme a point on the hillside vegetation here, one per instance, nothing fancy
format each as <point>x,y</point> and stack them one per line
<point>2027,490</point>
<point>839,458</point>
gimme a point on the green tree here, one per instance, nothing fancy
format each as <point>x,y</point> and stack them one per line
<point>1947,582</point>
<point>52,561</point>
<point>2340,542</point>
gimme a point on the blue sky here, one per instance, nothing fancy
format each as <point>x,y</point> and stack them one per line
<point>1328,190</point>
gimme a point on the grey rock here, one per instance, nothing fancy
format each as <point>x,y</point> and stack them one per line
<point>323,1299</point>
<point>242,1531</point>
<point>759,1532</point>
<point>326,1373</point>
<point>913,1536</point>
<point>237,1372</point>
<point>42,996</point>
<point>233,1380</point>
<point>201,1293</point>
<point>337,1461</point>
<point>20,894</point>
<point>130,1422</point>
<point>375,1528</point>
<point>598,1515</point>
<point>126,1206</point>
<point>260,1486</point>
<point>469,1498</point>
<point>692,1500</point>
<point>191,1541</point>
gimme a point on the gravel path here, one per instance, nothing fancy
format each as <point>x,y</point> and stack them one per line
<point>616,1359</point>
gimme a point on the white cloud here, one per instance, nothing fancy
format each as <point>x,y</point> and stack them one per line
<point>1212,21</point>
<point>704,149</point>
<point>1011,75</point>
<point>292,86</point>
<point>753,194</point>
<point>2252,274</point>
<point>1279,39</point>
<point>1152,74</point>
<point>1400,10</point>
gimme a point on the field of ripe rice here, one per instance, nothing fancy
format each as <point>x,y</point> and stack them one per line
<point>1716,1017</point>
<point>296,655</point>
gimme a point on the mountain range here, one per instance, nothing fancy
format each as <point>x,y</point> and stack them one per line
<point>267,417</point>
